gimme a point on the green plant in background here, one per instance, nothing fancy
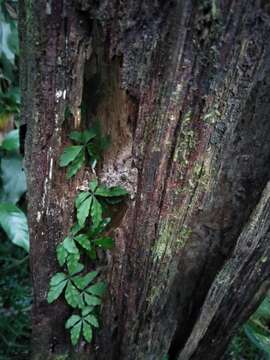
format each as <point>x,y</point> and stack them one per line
<point>9,48</point>
<point>81,290</point>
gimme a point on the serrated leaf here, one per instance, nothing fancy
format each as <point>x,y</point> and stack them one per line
<point>56,291</point>
<point>61,254</point>
<point>93,185</point>
<point>92,320</point>
<point>75,333</point>
<point>83,240</point>
<point>83,210</point>
<point>97,289</point>
<point>76,165</point>
<point>69,154</point>
<point>105,242</point>
<point>110,192</point>
<point>70,246</point>
<point>82,281</point>
<point>72,320</point>
<point>72,296</point>
<point>87,332</point>
<point>91,300</point>
<point>76,136</point>
<point>96,212</point>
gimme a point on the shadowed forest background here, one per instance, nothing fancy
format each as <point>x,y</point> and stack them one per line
<point>252,341</point>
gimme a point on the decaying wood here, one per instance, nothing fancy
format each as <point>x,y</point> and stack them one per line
<point>183,89</point>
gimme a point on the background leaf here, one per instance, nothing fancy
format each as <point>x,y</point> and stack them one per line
<point>13,221</point>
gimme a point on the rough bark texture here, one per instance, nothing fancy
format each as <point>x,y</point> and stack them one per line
<point>183,89</point>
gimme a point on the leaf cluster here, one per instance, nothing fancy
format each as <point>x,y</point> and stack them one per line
<point>89,145</point>
<point>81,289</point>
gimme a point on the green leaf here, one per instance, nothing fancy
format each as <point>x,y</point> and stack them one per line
<point>75,229</point>
<point>72,296</point>
<point>83,210</point>
<point>69,154</point>
<point>87,310</point>
<point>82,281</point>
<point>92,320</point>
<point>73,265</point>
<point>76,136</point>
<point>88,135</point>
<point>70,246</point>
<point>81,198</point>
<point>91,300</point>
<point>13,221</point>
<point>56,291</point>
<point>62,254</point>
<point>87,332</point>
<point>13,182</point>
<point>105,242</point>
<point>98,228</point>
<point>76,165</point>
<point>11,141</point>
<point>97,289</point>
<point>83,240</point>
<point>96,212</point>
<point>72,320</point>
<point>57,279</point>
<point>93,185</point>
<point>75,333</point>
<point>110,192</point>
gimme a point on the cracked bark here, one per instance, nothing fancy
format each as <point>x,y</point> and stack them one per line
<point>182,87</point>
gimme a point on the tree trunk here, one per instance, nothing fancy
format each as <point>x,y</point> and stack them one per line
<point>183,89</point>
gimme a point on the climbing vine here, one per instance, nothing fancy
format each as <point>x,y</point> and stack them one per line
<point>81,290</point>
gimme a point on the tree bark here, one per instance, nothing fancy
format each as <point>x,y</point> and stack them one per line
<point>183,89</point>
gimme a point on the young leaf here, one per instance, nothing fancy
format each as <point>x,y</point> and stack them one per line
<point>96,212</point>
<point>72,320</point>
<point>83,240</point>
<point>92,320</point>
<point>110,192</point>
<point>75,165</point>
<point>97,289</point>
<point>70,246</point>
<point>105,242</point>
<point>72,296</point>
<point>69,154</point>
<point>75,333</point>
<point>87,332</point>
<point>83,210</point>
<point>61,254</point>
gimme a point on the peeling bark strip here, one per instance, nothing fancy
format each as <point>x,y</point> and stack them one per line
<point>183,88</point>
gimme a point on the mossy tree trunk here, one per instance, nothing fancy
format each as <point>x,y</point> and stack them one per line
<point>183,89</point>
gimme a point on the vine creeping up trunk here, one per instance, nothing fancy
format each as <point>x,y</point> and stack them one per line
<point>182,88</point>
